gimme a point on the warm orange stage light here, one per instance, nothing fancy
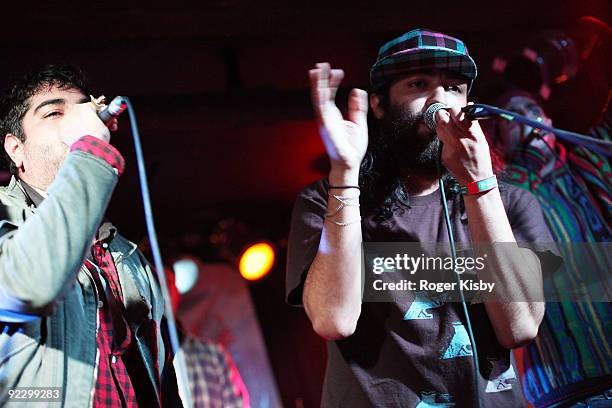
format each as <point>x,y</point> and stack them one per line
<point>256,261</point>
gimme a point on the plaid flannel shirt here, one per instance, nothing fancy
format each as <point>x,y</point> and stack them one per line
<point>113,385</point>
<point>214,379</point>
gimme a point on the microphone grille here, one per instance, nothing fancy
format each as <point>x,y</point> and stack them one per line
<point>430,114</point>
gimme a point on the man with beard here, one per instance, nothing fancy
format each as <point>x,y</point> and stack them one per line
<point>386,354</point>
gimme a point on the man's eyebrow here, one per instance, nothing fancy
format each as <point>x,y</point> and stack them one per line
<point>57,101</point>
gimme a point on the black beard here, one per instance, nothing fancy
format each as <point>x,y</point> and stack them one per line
<point>408,150</point>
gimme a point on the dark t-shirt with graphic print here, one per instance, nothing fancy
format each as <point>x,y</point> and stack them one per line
<point>413,354</point>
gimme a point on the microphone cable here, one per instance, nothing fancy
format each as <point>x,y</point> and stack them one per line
<point>179,358</point>
<point>451,241</point>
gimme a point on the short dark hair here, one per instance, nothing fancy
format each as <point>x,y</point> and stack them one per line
<point>16,101</point>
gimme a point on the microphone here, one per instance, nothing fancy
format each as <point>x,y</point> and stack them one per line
<point>473,112</point>
<point>113,110</point>
<point>430,115</point>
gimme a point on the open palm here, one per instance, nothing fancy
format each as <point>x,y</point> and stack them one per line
<point>346,141</point>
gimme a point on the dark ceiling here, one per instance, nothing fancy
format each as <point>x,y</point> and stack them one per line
<point>220,87</point>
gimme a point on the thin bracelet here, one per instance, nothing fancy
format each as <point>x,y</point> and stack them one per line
<point>343,199</point>
<point>343,187</point>
<point>343,203</point>
<point>338,209</point>
<point>344,224</point>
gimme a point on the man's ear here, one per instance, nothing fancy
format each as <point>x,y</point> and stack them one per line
<point>377,110</point>
<point>14,148</point>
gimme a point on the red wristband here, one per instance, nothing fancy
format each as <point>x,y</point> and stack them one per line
<point>481,186</point>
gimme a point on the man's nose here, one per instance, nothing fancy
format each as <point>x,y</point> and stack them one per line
<point>438,95</point>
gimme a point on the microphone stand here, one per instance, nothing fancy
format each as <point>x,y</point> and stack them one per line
<point>480,111</point>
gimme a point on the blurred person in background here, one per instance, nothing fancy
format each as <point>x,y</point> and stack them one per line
<point>570,361</point>
<point>214,379</point>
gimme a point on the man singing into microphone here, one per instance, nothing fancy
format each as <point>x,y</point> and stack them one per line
<point>384,187</point>
<point>81,313</point>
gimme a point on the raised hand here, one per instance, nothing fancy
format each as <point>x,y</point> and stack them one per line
<point>81,120</point>
<point>346,141</point>
<point>466,152</point>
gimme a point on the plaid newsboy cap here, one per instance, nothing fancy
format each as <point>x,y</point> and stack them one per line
<point>421,49</point>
